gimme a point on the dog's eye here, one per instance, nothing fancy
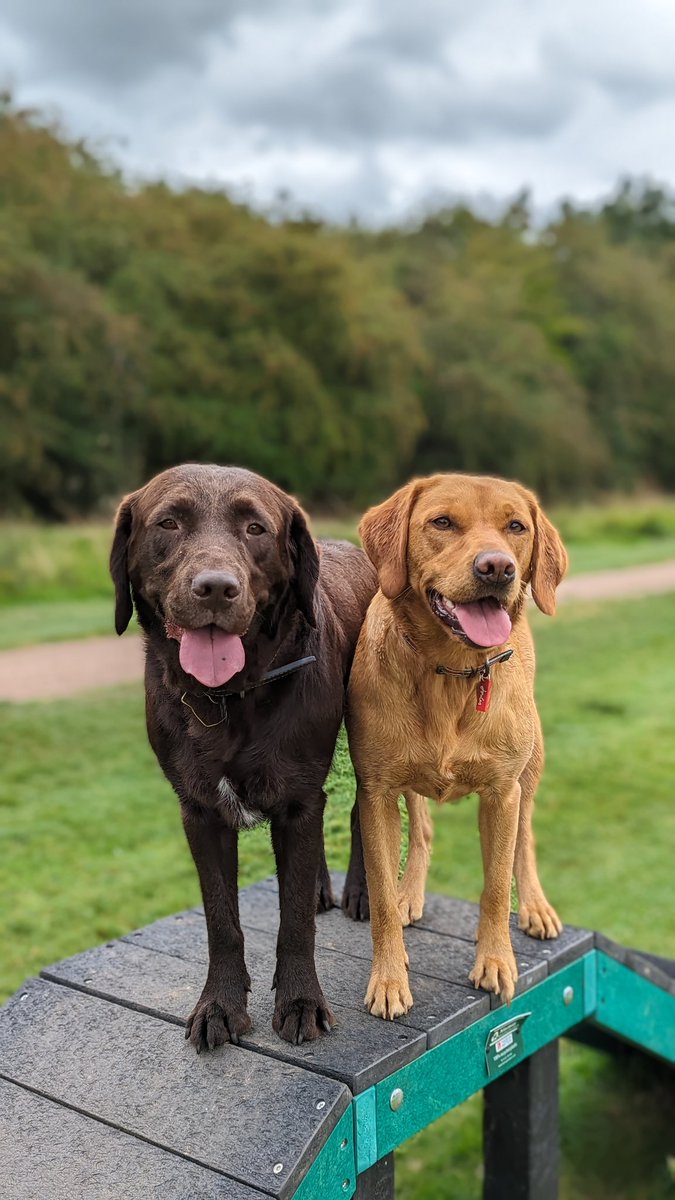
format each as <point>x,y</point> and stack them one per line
<point>168,523</point>
<point>255,529</point>
<point>516,527</point>
<point>443,523</point>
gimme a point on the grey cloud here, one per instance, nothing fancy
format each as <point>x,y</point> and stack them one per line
<point>119,41</point>
<point>404,30</point>
<point>627,72</point>
<point>388,92</point>
<point>351,101</point>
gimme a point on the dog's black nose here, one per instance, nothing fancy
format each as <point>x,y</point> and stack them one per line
<point>493,566</point>
<point>215,586</point>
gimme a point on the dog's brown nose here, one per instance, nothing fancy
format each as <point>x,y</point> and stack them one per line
<point>215,586</point>
<point>493,566</point>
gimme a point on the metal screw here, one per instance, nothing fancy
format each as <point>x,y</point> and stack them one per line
<point>278,1168</point>
<point>320,1104</point>
<point>568,995</point>
<point>345,1185</point>
<point>343,1144</point>
<point>396,1099</point>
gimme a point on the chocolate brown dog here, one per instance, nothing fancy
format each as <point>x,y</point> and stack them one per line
<point>441,704</point>
<point>249,630</point>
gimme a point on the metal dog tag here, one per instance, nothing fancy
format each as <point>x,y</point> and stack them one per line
<point>483,692</point>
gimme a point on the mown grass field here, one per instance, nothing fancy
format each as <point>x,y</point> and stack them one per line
<point>91,846</point>
<point>54,582</point>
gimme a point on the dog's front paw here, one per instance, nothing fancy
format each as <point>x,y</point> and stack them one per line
<point>217,1019</point>
<point>410,903</point>
<point>355,901</point>
<point>539,919</point>
<point>302,1018</point>
<point>388,995</point>
<point>495,971</point>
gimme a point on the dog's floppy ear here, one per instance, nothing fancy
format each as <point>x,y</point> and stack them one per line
<point>118,565</point>
<point>384,534</point>
<point>549,560</point>
<point>304,557</point>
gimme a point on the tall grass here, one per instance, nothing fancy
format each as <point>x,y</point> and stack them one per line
<point>41,563</point>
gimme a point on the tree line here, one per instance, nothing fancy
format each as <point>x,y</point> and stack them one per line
<point>144,325</point>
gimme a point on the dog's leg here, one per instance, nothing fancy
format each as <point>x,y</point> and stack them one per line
<point>495,968</point>
<point>420,836</point>
<point>325,900</point>
<point>301,1011</point>
<point>535,915</point>
<point>220,1014</point>
<point>355,895</point>
<point>388,993</point>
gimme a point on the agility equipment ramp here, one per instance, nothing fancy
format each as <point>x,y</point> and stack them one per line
<point>100,1095</point>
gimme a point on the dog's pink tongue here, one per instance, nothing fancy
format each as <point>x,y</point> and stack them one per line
<point>485,622</point>
<point>211,655</point>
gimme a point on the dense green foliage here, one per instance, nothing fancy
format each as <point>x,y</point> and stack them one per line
<point>140,326</point>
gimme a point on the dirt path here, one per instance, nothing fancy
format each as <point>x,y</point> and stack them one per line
<point>58,669</point>
<point>55,669</point>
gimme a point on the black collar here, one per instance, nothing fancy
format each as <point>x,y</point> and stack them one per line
<point>483,670</point>
<point>220,695</point>
<point>268,677</point>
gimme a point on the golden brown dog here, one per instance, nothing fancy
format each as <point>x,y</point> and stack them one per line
<point>429,716</point>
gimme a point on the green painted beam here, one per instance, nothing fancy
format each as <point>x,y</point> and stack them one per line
<point>635,1009</point>
<point>447,1075</point>
<point>365,1130</point>
<point>332,1175</point>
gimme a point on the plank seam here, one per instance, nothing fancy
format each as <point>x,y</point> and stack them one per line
<point>134,1134</point>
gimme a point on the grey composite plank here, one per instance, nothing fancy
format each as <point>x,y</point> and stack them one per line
<point>359,1051</point>
<point>443,1006</point>
<point>432,954</point>
<point>231,1110</point>
<point>48,1152</point>
<point>459,918</point>
<point>442,914</point>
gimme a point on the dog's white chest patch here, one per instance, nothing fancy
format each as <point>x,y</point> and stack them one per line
<point>240,815</point>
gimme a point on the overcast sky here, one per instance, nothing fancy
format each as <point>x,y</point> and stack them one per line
<point>359,107</point>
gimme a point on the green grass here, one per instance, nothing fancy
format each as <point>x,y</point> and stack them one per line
<point>56,621</point>
<point>91,846</point>
<point>54,582</point>
<point>26,624</point>
<point>620,520</point>
<point>41,563</point>
<point>608,555</point>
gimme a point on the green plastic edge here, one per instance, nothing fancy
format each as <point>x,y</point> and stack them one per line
<point>633,1008</point>
<point>616,998</point>
<point>332,1175</point>
<point>452,1071</point>
<point>365,1130</point>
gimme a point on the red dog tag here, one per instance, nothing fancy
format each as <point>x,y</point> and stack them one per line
<point>483,692</point>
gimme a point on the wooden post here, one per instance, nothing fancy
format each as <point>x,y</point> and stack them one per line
<point>520,1130</point>
<point>377,1183</point>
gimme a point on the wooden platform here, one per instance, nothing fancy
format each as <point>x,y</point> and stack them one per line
<point>102,1097</point>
